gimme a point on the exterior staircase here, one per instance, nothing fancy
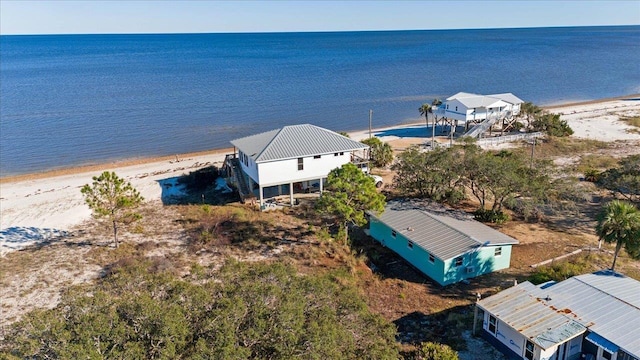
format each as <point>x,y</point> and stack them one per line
<point>237,177</point>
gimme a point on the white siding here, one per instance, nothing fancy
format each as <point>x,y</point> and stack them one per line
<point>508,336</point>
<point>250,168</point>
<point>286,171</point>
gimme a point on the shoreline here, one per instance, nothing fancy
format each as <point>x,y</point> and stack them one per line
<point>126,162</point>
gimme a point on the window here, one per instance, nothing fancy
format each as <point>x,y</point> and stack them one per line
<point>458,261</point>
<point>447,107</point>
<point>300,164</point>
<point>528,350</point>
<point>341,153</point>
<point>492,325</point>
<point>317,156</point>
<point>393,233</point>
<point>606,354</point>
<point>410,244</point>
<point>335,154</point>
<point>432,258</point>
<point>498,251</point>
<point>456,108</point>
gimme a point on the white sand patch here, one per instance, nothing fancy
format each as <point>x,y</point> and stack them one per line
<point>56,205</point>
<point>601,121</point>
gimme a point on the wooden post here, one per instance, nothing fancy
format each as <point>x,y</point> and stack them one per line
<point>291,193</point>
<point>260,196</point>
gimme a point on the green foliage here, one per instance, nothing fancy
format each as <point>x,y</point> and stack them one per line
<point>497,179</point>
<point>592,175</point>
<point>552,125</point>
<point>381,152</point>
<point>350,194</point>
<point>562,270</point>
<point>199,180</point>
<point>624,179</point>
<point>425,109</point>
<point>245,311</point>
<point>344,133</point>
<point>619,223</point>
<point>529,112</point>
<point>435,351</point>
<point>432,174</point>
<point>491,216</point>
<point>113,200</point>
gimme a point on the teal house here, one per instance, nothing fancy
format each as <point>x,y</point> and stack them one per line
<point>447,246</point>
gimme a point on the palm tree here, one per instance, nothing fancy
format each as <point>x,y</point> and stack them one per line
<point>425,109</point>
<point>619,222</point>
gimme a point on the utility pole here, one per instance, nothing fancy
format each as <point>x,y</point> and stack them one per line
<point>533,147</point>
<point>370,118</point>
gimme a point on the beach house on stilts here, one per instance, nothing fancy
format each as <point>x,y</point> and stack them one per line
<point>478,113</point>
<point>295,158</point>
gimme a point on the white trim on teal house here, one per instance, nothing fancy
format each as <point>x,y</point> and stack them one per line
<point>593,314</point>
<point>446,246</point>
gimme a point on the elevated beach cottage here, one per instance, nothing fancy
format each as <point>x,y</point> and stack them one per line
<point>447,246</point>
<point>478,113</point>
<point>295,158</point>
<point>592,316</point>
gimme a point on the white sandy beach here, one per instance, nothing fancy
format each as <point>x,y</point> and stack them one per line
<point>36,208</point>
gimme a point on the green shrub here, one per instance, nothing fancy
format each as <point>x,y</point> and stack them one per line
<point>435,351</point>
<point>490,216</point>
<point>244,311</point>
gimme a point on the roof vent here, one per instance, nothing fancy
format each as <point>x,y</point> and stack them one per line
<point>409,228</point>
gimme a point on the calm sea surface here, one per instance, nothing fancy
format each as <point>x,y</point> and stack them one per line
<point>78,99</point>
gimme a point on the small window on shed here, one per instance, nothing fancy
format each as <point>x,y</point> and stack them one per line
<point>410,244</point>
<point>335,154</point>
<point>432,258</point>
<point>458,261</point>
<point>300,164</point>
<point>317,156</point>
<point>529,350</point>
<point>456,108</point>
<point>606,355</point>
<point>492,324</point>
<point>393,233</point>
<point>341,153</point>
<point>498,251</point>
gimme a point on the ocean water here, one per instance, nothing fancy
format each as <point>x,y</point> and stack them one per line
<point>68,100</point>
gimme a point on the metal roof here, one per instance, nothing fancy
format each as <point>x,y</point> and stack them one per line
<point>523,308</point>
<point>605,302</point>
<point>445,234</point>
<point>508,97</point>
<point>475,100</point>
<point>295,141</point>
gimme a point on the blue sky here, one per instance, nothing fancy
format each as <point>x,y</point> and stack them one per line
<point>113,16</point>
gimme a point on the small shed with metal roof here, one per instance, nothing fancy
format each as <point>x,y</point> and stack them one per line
<point>447,246</point>
<point>592,315</point>
<point>276,161</point>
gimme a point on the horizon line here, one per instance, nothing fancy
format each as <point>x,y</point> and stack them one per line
<point>322,31</point>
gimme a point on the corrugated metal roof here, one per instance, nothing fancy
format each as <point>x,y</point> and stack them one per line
<point>608,302</point>
<point>605,302</point>
<point>445,234</point>
<point>295,141</point>
<point>476,100</point>
<point>508,97</point>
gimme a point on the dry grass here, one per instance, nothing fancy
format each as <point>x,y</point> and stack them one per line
<point>632,121</point>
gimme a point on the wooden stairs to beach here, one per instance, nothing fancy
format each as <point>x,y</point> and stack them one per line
<point>238,178</point>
